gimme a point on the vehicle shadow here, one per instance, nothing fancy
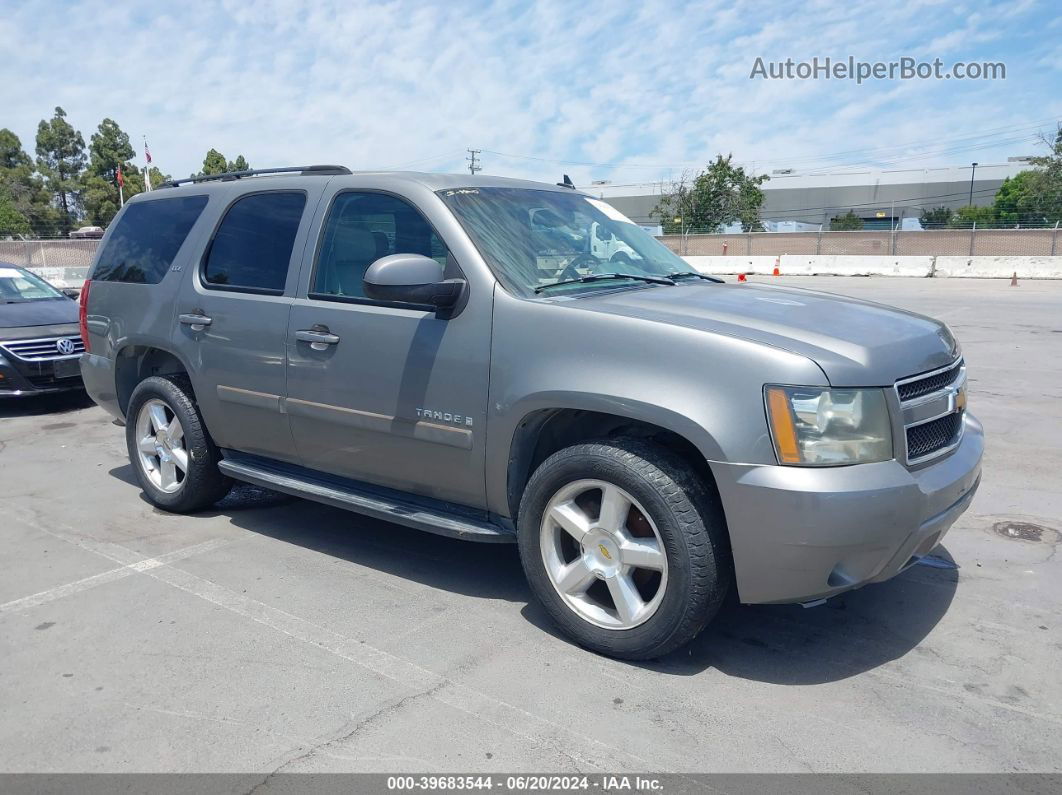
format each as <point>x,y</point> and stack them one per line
<point>489,571</point>
<point>780,644</point>
<point>55,403</point>
<point>850,634</point>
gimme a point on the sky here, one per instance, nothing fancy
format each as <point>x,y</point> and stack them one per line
<point>631,92</point>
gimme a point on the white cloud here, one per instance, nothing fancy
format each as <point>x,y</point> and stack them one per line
<point>405,82</point>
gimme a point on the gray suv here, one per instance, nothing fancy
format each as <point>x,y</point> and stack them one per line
<point>456,354</point>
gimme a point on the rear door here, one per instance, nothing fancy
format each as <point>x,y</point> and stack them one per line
<point>395,396</point>
<point>232,318</point>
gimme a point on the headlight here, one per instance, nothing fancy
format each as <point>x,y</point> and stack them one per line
<point>813,426</point>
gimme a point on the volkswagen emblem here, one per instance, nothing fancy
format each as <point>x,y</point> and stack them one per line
<point>65,347</point>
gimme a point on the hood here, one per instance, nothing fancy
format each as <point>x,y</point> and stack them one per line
<point>38,313</point>
<point>856,343</point>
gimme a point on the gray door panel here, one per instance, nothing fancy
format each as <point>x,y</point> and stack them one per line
<point>238,357</point>
<point>238,362</point>
<point>386,394</point>
<point>399,401</point>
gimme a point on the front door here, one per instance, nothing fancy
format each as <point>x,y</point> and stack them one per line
<point>232,321</point>
<point>386,393</point>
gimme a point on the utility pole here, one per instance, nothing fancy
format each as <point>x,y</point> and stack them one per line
<point>973,170</point>
<point>472,167</point>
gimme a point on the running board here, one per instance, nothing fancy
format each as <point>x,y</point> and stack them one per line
<point>366,501</point>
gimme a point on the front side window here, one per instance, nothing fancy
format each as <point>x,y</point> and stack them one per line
<point>146,238</point>
<point>360,229</point>
<point>252,247</point>
<point>532,239</point>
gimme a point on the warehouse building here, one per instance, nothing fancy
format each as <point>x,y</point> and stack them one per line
<point>883,199</point>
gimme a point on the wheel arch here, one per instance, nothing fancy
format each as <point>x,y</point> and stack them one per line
<point>134,363</point>
<point>542,432</point>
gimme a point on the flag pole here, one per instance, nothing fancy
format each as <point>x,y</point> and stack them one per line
<point>147,168</point>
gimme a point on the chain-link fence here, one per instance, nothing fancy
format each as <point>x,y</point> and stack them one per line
<point>934,242</point>
<point>62,262</point>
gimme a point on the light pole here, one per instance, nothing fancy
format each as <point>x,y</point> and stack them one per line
<point>973,170</point>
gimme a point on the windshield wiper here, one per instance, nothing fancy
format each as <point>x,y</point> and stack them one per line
<point>597,277</point>
<point>680,274</point>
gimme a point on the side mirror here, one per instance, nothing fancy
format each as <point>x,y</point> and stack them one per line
<point>412,279</point>
<point>72,293</point>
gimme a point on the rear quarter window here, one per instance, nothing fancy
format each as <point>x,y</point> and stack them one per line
<point>146,238</point>
<point>252,246</point>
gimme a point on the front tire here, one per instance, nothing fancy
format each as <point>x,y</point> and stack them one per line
<point>173,456</point>
<point>624,547</point>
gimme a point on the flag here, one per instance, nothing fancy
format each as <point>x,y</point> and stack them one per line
<point>147,152</point>
<point>121,179</point>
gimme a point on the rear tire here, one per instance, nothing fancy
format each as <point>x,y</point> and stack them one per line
<point>173,456</point>
<point>633,588</point>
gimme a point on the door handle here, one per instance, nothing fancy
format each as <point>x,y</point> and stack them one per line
<point>319,337</point>
<point>197,320</point>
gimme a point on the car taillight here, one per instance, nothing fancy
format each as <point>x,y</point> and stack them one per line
<point>82,313</point>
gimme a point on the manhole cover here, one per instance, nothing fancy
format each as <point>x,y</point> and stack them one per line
<point>1025,531</point>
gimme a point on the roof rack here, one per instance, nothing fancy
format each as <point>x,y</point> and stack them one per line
<point>305,171</point>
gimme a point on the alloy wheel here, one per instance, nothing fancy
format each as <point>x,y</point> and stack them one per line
<point>160,444</point>
<point>603,554</point>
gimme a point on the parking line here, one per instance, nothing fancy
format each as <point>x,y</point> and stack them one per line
<point>70,588</point>
<point>539,731</point>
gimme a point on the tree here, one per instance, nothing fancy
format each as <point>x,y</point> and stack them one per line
<point>239,164</point>
<point>1016,201</point>
<point>966,217</point>
<point>109,148</point>
<point>60,160</point>
<point>849,222</point>
<point>214,163</point>
<point>720,195</point>
<point>12,222</point>
<point>935,218</point>
<point>27,203</point>
<point>1034,197</point>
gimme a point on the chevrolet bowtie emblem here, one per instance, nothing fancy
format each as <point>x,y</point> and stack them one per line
<point>604,551</point>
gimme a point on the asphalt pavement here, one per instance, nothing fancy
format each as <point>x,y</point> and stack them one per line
<point>274,634</point>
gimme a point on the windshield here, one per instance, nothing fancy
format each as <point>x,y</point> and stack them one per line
<point>534,238</point>
<point>19,285</point>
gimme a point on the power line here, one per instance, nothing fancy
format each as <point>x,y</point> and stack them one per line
<point>472,167</point>
<point>893,152</point>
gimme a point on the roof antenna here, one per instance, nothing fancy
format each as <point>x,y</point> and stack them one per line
<point>567,183</point>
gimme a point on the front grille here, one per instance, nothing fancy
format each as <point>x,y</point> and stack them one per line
<point>923,386</point>
<point>922,440</point>
<point>42,350</point>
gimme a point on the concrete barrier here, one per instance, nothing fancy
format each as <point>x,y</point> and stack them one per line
<point>852,265</point>
<point>998,267</point>
<point>723,266</point>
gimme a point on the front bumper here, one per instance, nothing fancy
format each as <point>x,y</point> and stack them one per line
<point>33,378</point>
<point>801,533</point>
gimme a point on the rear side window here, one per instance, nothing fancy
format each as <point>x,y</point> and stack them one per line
<point>146,238</point>
<point>252,248</point>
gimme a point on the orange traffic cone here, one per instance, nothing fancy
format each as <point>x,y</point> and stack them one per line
<point>1014,279</point>
<point>777,271</point>
<point>741,277</point>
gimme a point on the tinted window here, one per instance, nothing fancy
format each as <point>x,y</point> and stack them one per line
<point>146,238</point>
<point>361,228</point>
<point>252,247</point>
